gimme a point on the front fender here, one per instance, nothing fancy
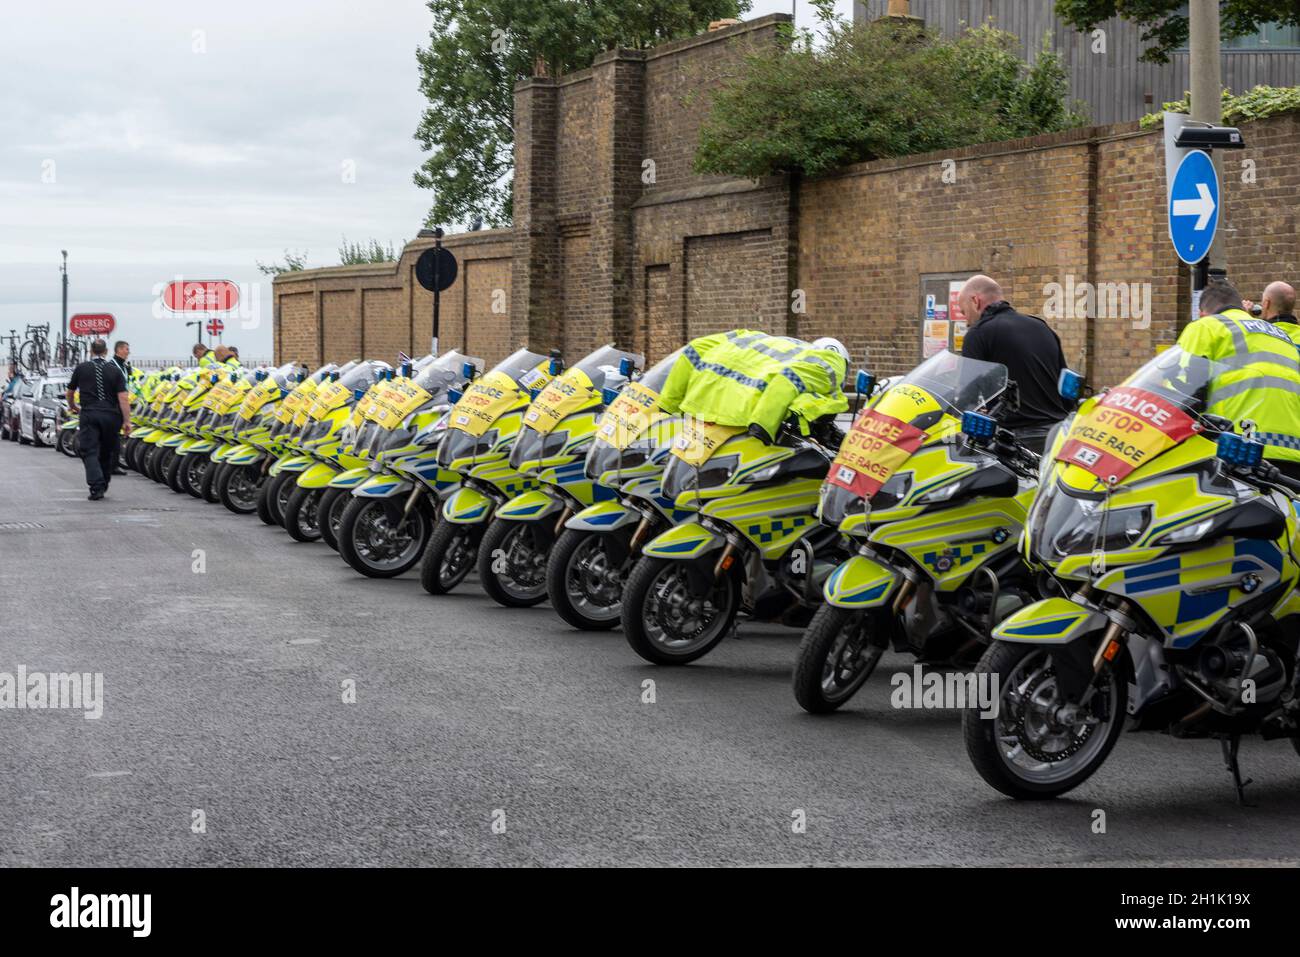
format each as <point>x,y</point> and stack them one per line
<point>1053,621</point>
<point>292,463</point>
<point>351,478</point>
<point>860,583</point>
<point>603,517</point>
<point>467,506</point>
<point>684,542</point>
<point>318,476</point>
<point>383,486</point>
<point>529,507</point>
<point>174,441</point>
<point>244,455</point>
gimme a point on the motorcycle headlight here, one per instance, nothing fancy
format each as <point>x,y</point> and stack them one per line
<point>1091,527</point>
<point>897,488</point>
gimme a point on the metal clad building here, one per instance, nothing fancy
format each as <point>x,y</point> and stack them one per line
<point>1116,85</point>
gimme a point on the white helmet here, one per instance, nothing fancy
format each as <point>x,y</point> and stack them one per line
<point>834,345</point>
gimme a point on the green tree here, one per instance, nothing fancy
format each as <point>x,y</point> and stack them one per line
<point>1164,22</point>
<point>355,254</point>
<point>876,90</point>
<point>293,262</point>
<point>479,49</point>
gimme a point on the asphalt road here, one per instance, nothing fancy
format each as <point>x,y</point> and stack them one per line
<point>222,694</point>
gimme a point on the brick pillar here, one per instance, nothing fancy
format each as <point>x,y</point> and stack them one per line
<point>534,279</point>
<point>619,77</point>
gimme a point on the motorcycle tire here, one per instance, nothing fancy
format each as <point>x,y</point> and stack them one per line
<point>449,557</point>
<point>161,462</point>
<point>645,585</point>
<point>497,540</point>
<point>355,548</point>
<point>985,744</point>
<point>332,503</point>
<point>208,486</point>
<point>239,486</point>
<point>174,476</point>
<point>67,443</point>
<point>302,514</point>
<point>268,495</point>
<point>820,689</point>
<point>195,469</point>
<point>570,598</point>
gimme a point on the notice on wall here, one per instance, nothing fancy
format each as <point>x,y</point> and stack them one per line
<point>958,335</point>
<point>935,338</point>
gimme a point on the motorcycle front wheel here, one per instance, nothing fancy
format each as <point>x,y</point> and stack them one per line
<point>67,442</point>
<point>451,553</point>
<point>1028,750</point>
<point>238,487</point>
<point>270,497</point>
<point>209,490</point>
<point>668,619</point>
<point>583,581</point>
<point>332,503</point>
<point>194,470</point>
<point>373,546</point>
<point>512,563</point>
<point>174,474</point>
<point>839,651</point>
<point>302,514</point>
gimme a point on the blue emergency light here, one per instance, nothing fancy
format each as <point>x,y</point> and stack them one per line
<point>865,382</point>
<point>626,367</point>
<point>468,370</point>
<point>1239,451</point>
<point>1069,384</point>
<point>557,367</point>
<point>454,395</point>
<point>608,395</point>
<point>979,426</point>
<point>358,393</point>
<point>406,370</point>
<point>259,375</point>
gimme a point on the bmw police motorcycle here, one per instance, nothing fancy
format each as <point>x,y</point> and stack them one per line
<point>588,566</point>
<point>382,514</point>
<point>558,430</point>
<point>241,464</point>
<point>211,431</point>
<point>1172,550</point>
<point>480,430</point>
<point>752,545</point>
<point>933,495</point>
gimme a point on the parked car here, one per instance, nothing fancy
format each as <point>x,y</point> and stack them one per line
<point>39,407</point>
<point>9,407</point>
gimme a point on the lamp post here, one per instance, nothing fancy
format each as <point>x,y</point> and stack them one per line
<point>64,269</point>
<point>1207,93</point>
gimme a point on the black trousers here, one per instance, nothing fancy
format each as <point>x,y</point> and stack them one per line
<point>97,441</point>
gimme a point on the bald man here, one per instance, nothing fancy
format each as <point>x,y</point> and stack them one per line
<point>1029,349</point>
<point>1278,307</point>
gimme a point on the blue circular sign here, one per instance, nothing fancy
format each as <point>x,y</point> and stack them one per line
<point>1194,207</point>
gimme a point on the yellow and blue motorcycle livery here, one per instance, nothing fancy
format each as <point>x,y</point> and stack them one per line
<point>936,511</point>
<point>1174,547</point>
<point>390,507</point>
<point>211,432</point>
<point>187,406</point>
<point>160,419</point>
<point>558,430</point>
<point>241,464</point>
<point>480,431</point>
<point>316,451</point>
<point>142,415</point>
<point>587,569</point>
<point>752,545</point>
<point>289,417</point>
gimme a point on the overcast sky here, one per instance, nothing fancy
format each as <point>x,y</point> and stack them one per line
<point>192,138</point>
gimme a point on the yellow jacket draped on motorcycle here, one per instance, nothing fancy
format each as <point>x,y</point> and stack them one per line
<point>744,377</point>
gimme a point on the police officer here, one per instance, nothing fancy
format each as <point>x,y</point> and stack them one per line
<point>105,410</point>
<point>1257,372</point>
<point>203,357</point>
<point>122,359</point>
<point>1278,307</point>
<point>1030,350</point>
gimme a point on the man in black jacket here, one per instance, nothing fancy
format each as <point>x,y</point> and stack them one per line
<point>105,410</point>
<point>1029,349</point>
<point>122,359</point>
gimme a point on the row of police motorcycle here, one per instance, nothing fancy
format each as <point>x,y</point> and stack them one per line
<point>1142,574</point>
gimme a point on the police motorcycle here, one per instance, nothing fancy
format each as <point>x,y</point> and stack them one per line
<point>1172,550</point>
<point>143,416</point>
<point>317,453</point>
<point>558,430</point>
<point>291,418</point>
<point>241,463</point>
<point>587,569</point>
<point>480,430</point>
<point>753,544</point>
<point>933,495</point>
<point>179,427</point>
<point>388,508</point>
<point>211,431</point>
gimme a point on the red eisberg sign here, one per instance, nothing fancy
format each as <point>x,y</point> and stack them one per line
<point>201,295</point>
<point>91,324</point>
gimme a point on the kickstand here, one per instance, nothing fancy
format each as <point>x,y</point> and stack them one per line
<point>1231,745</point>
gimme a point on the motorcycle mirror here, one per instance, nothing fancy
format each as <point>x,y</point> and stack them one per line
<point>1235,450</point>
<point>1069,384</point>
<point>978,426</point>
<point>864,383</point>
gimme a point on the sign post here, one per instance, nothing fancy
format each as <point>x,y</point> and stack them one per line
<point>435,270</point>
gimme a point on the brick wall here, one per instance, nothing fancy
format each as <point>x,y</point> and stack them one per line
<point>616,239</point>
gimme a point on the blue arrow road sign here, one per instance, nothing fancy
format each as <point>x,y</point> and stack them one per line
<point>1194,207</point>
